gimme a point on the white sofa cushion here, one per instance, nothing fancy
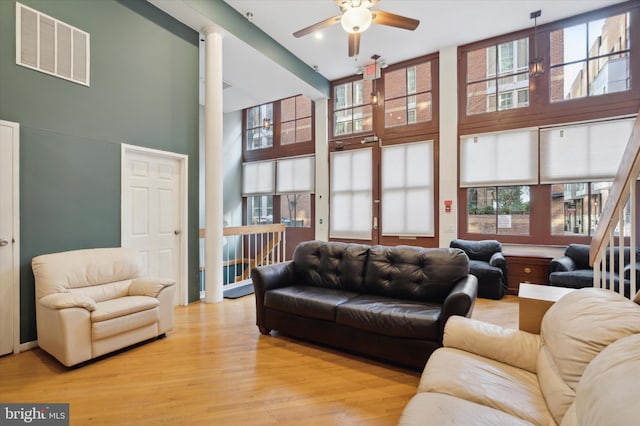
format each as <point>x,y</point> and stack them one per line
<point>125,324</point>
<point>122,306</point>
<point>486,382</point>
<point>573,332</point>
<point>58,272</point>
<point>440,409</point>
<point>610,386</point>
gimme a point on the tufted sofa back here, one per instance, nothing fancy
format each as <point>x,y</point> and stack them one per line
<point>401,272</point>
<point>330,265</point>
<point>415,273</point>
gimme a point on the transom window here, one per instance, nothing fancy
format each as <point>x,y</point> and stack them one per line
<point>352,111</point>
<point>591,58</point>
<point>259,128</point>
<point>498,72</point>
<point>295,120</point>
<point>407,94</point>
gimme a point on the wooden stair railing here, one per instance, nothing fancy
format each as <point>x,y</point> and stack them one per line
<point>622,191</point>
<point>253,245</point>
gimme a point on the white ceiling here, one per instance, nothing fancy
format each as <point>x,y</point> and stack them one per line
<point>256,79</point>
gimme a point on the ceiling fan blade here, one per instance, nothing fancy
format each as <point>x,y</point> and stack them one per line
<point>392,20</point>
<point>354,44</point>
<point>317,26</point>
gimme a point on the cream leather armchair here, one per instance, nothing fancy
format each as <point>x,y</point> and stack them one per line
<point>92,302</point>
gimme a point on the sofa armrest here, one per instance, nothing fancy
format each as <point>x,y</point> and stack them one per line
<point>460,300</point>
<point>498,260</point>
<point>269,277</point>
<point>562,264</point>
<point>149,286</point>
<point>266,278</point>
<point>58,301</point>
<point>514,347</point>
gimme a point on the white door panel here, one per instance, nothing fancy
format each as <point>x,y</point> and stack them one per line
<point>152,211</point>
<point>9,262</point>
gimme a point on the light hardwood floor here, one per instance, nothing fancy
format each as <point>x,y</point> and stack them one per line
<point>215,368</point>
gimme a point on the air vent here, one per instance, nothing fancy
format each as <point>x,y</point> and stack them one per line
<point>48,45</point>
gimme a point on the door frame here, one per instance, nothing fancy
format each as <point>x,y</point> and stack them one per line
<point>183,187</point>
<point>15,302</point>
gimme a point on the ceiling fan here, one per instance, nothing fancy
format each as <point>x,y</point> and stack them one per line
<point>356,17</point>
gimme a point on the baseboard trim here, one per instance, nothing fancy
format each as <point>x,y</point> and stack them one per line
<point>28,345</point>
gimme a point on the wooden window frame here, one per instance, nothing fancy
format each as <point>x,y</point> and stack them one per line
<point>399,134</point>
<point>277,150</point>
<point>542,112</point>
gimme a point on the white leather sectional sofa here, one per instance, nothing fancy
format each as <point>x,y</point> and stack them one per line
<point>583,369</point>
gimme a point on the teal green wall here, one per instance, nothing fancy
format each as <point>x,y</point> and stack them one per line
<point>144,91</point>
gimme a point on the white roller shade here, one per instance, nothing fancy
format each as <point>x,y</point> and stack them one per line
<point>499,159</point>
<point>258,178</point>
<point>295,175</point>
<point>407,190</point>
<point>583,153</point>
<point>351,194</point>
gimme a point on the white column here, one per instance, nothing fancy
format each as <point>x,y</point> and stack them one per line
<point>448,59</point>
<point>322,170</point>
<point>213,164</point>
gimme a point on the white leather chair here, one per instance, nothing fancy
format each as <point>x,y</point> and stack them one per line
<point>94,301</point>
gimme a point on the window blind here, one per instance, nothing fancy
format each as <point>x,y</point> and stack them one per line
<point>407,189</point>
<point>258,178</point>
<point>583,153</point>
<point>498,159</point>
<point>295,175</point>
<point>351,194</point>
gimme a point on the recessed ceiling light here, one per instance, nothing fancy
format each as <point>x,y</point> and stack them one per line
<point>318,35</point>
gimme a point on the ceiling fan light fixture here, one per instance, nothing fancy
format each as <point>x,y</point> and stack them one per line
<point>356,19</point>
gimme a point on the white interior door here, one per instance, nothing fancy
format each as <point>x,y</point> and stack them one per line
<point>9,228</point>
<point>153,212</point>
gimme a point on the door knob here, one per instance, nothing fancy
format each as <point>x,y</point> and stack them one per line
<point>3,242</point>
<point>176,232</point>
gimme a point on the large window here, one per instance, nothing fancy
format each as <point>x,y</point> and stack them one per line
<point>352,110</point>
<point>407,190</point>
<point>407,94</point>
<point>295,184</point>
<point>587,59</point>
<point>591,58</point>
<point>497,77</point>
<point>351,194</point>
<point>503,172</point>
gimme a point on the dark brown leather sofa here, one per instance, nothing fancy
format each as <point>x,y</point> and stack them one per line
<point>389,303</point>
